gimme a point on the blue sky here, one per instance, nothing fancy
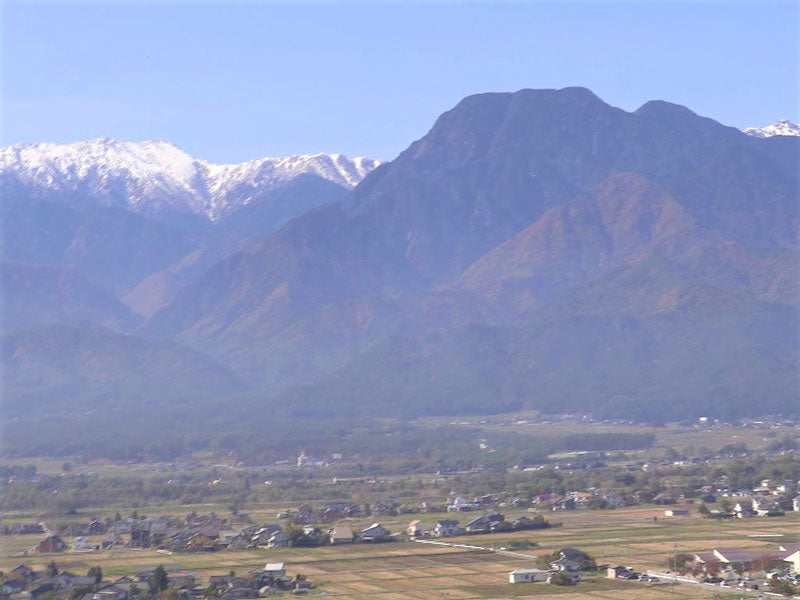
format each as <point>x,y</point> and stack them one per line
<point>229,82</point>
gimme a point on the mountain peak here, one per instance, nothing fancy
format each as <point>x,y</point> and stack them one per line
<point>155,176</point>
<point>663,108</point>
<point>782,127</point>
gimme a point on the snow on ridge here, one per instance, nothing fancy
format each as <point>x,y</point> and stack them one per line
<point>782,127</point>
<point>151,177</point>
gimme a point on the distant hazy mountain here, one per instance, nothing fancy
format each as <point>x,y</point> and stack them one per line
<point>65,370</point>
<point>36,295</point>
<point>154,178</point>
<point>782,127</point>
<point>538,249</point>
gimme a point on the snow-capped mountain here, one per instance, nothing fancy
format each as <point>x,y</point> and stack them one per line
<point>156,177</point>
<point>782,127</point>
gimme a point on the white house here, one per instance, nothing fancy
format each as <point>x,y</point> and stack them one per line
<point>744,509</point>
<point>446,527</point>
<point>375,533</point>
<point>81,544</point>
<point>527,576</point>
<point>275,570</point>
<point>794,560</point>
<point>461,504</point>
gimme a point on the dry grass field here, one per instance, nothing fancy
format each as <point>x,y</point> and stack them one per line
<point>413,571</point>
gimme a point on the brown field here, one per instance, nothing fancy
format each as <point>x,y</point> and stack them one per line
<point>412,571</point>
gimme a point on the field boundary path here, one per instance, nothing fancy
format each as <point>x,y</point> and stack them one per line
<point>471,547</point>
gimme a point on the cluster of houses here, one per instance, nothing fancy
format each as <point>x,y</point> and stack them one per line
<point>767,500</point>
<point>488,522</point>
<point>206,533</point>
<point>23,583</point>
<point>21,529</point>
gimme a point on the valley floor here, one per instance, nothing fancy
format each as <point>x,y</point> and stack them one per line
<point>414,571</point>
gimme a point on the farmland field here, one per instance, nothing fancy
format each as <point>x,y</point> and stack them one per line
<point>414,571</point>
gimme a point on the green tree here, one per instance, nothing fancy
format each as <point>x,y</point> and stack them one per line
<point>158,580</point>
<point>680,562</point>
<point>52,569</point>
<point>95,572</point>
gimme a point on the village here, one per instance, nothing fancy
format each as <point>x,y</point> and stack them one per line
<point>339,525</point>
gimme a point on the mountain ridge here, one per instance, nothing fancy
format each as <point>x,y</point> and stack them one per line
<point>153,177</point>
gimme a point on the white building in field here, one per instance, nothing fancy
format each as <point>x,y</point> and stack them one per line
<point>527,576</point>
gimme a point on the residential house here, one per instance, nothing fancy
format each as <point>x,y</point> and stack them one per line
<point>527,576</point>
<point>275,570</point>
<point>340,534</point>
<point>745,559</point>
<point>22,573</point>
<point>305,514</point>
<point>109,593</point>
<point>446,528</point>
<point>483,523</point>
<point>199,542</point>
<point>415,529</point>
<point>159,532</point>
<point>262,535</point>
<point>51,543</point>
<point>386,508</point>
<point>140,536</point>
<point>81,544</point>
<point>767,507</point>
<point>461,504</point>
<point>375,533</point>
<point>744,509</point>
<point>617,572</point>
<point>793,558</point>
<point>572,559</point>
<point>279,539</point>
<point>23,528</point>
